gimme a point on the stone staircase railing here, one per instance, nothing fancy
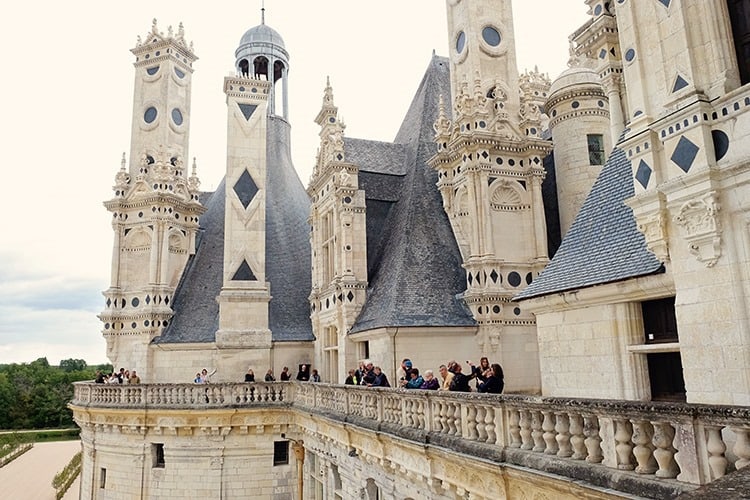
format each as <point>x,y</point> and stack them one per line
<point>687,443</point>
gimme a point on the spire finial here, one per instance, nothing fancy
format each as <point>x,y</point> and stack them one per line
<point>262,11</point>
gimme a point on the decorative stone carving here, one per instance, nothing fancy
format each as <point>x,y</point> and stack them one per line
<point>653,228</point>
<point>702,228</point>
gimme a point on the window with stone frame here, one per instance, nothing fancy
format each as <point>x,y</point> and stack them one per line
<point>316,474</point>
<point>596,149</point>
<point>331,354</point>
<point>739,16</point>
<point>328,238</point>
<point>280,453</point>
<point>157,455</point>
<point>338,492</point>
<point>664,368</point>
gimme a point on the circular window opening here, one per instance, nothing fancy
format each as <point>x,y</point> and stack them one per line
<point>514,279</point>
<point>177,116</point>
<point>460,42</point>
<point>150,115</point>
<point>491,36</point>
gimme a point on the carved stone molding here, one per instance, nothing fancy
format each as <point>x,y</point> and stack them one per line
<point>653,228</point>
<point>702,227</point>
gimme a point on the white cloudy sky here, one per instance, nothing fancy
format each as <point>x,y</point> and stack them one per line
<point>66,106</point>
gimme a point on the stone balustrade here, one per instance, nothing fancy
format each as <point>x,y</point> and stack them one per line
<point>668,442</point>
<point>181,396</point>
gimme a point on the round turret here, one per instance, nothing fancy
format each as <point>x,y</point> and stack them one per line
<point>579,121</point>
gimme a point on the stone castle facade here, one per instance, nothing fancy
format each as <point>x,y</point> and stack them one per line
<point>591,228</point>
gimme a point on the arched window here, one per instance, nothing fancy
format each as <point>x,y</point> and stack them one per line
<point>244,67</point>
<point>278,70</point>
<point>260,68</point>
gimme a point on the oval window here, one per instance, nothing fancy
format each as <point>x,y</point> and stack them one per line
<point>150,115</point>
<point>460,42</point>
<point>491,36</point>
<point>180,74</point>
<point>177,116</point>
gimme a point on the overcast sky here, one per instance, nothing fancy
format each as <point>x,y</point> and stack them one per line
<point>66,106</point>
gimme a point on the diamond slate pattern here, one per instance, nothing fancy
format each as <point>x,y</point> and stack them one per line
<point>603,245</point>
<point>245,188</point>
<point>684,154</point>
<point>643,174</point>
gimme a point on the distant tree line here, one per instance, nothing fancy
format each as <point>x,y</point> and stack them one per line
<point>36,395</point>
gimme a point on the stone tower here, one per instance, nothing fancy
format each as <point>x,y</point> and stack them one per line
<point>261,61</point>
<point>489,165</point>
<point>580,126</point>
<point>155,208</point>
<point>339,246</point>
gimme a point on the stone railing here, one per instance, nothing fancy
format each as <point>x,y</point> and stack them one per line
<point>693,444</point>
<point>177,396</point>
<point>661,445</point>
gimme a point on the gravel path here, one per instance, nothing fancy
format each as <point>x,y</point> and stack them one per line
<point>29,477</point>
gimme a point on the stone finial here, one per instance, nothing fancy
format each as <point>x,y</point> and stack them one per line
<point>442,125</point>
<point>122,178</point>
<point>169,31</point>
<point>193,182</point>
<point>154,28</point>
<point>180,31</point>
<point>328,93</point>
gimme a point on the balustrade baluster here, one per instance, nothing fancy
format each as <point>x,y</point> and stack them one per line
<point>457,419</point>
<point>593,441</point>
<point>444,425</point>
<point>624,448</point>
<point>741,446</point>
<point>481,430</point>
<point>644,449</point>
<point>536,431</point>
<point>664,452</point>
<point>527,442</point>
<point>548,426</point>
<point>514,429</point>
<point>450,419</point>
<point>716,448</point>
<point>420,415</point>
<point>577,438</point>
<point>471,423</point>
<point>489,425</point>
<point>562,428</point>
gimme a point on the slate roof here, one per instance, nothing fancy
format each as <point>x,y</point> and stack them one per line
<point>196,317</point>
<point>414,264</point>
<point>603,245</point>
